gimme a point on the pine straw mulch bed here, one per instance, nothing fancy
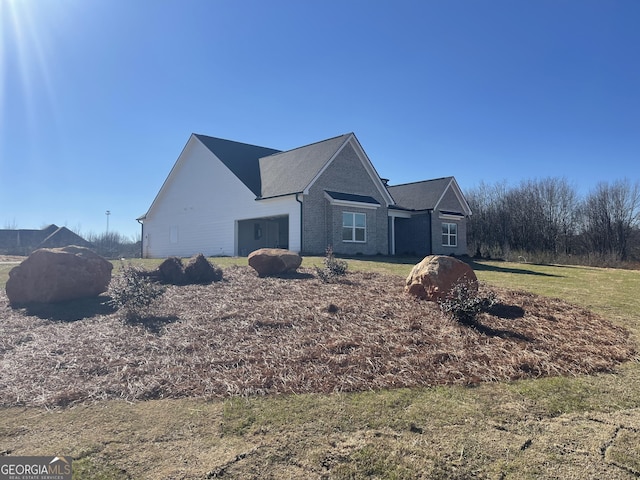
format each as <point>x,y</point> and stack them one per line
<point>248,335</point>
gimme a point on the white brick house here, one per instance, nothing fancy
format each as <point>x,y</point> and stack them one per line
<point>229,198</point>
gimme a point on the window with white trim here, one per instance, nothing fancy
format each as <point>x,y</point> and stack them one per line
<point>449,234</point>
<point>354,227</point>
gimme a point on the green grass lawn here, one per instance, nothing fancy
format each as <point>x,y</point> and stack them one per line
<point>4,272</point>
<point>613,293</point>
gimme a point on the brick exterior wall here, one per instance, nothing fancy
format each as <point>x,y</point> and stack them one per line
<point>449,203</point>
<point>436,236</point>
<point>376,237</point>
<point>322,222</point>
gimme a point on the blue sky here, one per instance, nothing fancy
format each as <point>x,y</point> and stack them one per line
<point>98,97</point>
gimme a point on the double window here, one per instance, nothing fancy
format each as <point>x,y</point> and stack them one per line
<point>449,235</point>
<point>354,227</point>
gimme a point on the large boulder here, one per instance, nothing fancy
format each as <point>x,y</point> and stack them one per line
<point>51,275</point>
<point>436,275</point>
<point>274,261</point>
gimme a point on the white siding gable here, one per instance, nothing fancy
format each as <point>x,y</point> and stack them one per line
<point>198,206</point>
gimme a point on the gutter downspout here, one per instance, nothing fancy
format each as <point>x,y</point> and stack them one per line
<point>392,243</point>
<point>141,238</point>
<point>301,222</point>
<point>430,232</point>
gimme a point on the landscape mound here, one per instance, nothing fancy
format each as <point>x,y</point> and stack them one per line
<point>256,336</point>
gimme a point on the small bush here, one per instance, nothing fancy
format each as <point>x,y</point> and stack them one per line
<point>133,292</point>
<point>333,267</point>
<point>465,304</point>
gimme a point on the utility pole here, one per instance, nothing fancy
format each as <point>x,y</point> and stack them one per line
<point>106,237</point>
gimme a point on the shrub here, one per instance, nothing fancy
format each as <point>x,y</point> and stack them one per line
<point>133,292</point>
<point>333,267</point>
<point>464,303</point>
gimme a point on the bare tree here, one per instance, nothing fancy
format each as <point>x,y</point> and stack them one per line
<point>115,245</point>
<point>11,225</point>
<point>558,203</point>
<point>537,216</point>
<point>489,225</point>
<point>610,213</point>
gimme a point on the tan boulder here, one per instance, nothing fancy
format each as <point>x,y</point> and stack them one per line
<point>51,275</point>
<point>434,277</point>
<point>274,261</point>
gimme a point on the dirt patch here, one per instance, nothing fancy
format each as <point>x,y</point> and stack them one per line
<point>255,336</point>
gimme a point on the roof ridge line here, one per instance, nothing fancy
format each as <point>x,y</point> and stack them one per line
<point>420,181</point>
<point>235,141</point>
<point>311,144</point>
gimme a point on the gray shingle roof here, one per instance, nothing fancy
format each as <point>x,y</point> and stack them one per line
<point>240,158</point>
<point>24,241</point>
<point>292,171</point>
<point>420,195</point>
<point>271,173</point>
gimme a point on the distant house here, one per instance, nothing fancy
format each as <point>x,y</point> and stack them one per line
<point>229,198</point>
<point>23,242</point>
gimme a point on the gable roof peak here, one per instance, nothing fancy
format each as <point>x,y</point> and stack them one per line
<point>292,171</point>
<point>427,194</point>
<point>240,158</point>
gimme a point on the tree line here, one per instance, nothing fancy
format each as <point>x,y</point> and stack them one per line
<point>114,244</point>
<point>547,220</point>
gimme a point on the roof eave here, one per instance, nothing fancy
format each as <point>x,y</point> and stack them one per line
<point>278,196</point>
